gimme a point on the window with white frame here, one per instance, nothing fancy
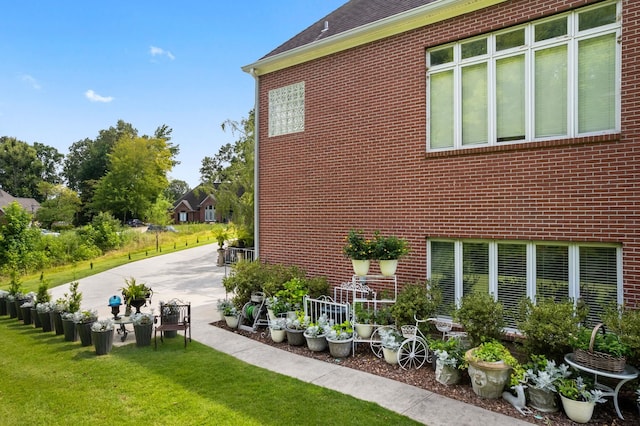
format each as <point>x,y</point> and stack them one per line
<point>183,216</point>
<point>286,109</point>
<point>209,213</point>
<point>512,270</point>
<point>553,78</point>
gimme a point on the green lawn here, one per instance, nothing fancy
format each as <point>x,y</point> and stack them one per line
<point>47,381</point>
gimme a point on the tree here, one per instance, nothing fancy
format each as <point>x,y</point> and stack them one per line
<point>60,205</point>
<point>176,189</point>
<point>18,239</point>
<point>20,169</point>
<point>159,214</point>
<point>233,168</point>
<point>51,161</point>
<point>137,176</point>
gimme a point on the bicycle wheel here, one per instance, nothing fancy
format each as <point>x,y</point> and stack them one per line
<point>413,353</point>
<point>376,345</point>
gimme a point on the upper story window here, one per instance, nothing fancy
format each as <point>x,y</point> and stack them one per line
<point>549,79</point>
<point>286,109</point>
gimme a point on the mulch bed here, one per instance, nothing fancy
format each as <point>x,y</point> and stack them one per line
<point>365,360</point>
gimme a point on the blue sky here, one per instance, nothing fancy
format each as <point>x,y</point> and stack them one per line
<point>72,68</point>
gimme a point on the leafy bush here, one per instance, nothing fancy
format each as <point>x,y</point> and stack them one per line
<point>244,279</point>
<point>547,326</point>
<point>625,322</point>
<point>104,232</point>
<point>418,299</point>
<point>481,316</point>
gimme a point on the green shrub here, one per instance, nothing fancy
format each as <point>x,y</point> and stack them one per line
<point>418,299</point>
<point>547,326</point>
<point>244,279</point>
<point>481,316</point>
<point>625,322</point>
<point>318,286</point>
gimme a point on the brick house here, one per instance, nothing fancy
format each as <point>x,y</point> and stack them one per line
<point>500,137</point>
<point>30,205</point>
<point>196,206</point>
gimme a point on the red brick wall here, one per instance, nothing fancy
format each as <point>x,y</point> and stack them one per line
<point>361,161</point>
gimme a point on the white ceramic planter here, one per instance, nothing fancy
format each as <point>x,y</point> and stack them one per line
<point>232,321</point>
<point>446,374</point>
<point>360,267</point>
<point>278,336</point>
<point>390,356</point>
<point>388,267</point>
<point>578,411</point>
<point>364,331</point>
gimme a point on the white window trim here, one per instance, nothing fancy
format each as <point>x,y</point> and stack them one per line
<point>528,49</point>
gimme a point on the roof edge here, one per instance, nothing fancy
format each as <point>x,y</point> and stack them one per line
<point>383,28</point>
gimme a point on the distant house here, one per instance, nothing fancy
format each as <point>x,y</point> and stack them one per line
<point>196,206</point>
<point>29,204</point>
<point>500,137</point>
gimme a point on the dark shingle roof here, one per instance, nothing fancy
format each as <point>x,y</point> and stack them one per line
<point>351,15</point>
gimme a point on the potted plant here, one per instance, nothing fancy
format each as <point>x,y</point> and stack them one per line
<point>481,316</point>
<point>26,306</point>
<point>59,307</point>
<point>69,327</point>
<point>72,299</point>
<point>276,306</point>
<point>221,235</point>
<point>603,351</point>
<point>340,339</point>
<point>277,329</point>
<point>578,398</point>
<point>295,329</point>
<point>315,334</point>
<point>364,320</point>
<point>359,250</point>
<point>449,357</point>
<point>84,319</point>
<point>230,313</point>
<point>490,365</point>
<point>102,332</point>
<point>42,296</point>
<point>169,314</point>
<point>387,251</point>
<point>143,327</point>
<point>44,310</point>
<point>390,340</point>
<point>292,293</point>
<point>540,377</point>
<point>3,302</point>
<point>14,297</point>
<point>136,294</point>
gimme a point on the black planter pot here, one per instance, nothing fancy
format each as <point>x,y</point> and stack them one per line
<point>84,332</point>
<point>11,308</point>
<point>102,341</point>
<point>143,334</point>
<point>26,315</point>
<point>18,302</point>
<point>3,306</point>
<point>70,332</point>
<point>46,320</point>
<point>35,318</point>
<point>57,323</point>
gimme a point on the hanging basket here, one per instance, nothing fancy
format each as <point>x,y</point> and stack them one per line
<point>599,360</point>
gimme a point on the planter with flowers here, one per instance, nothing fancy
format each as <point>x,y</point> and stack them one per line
<point>69,327</point>
<point>578,398</point>
<point>540,377</point>
<point>390,340</point>
<point>315,334</point>
<point>278,329</point>
<point>449,357</point>
<point>3,302</point>
<point>59,307</point>
<point>42,296</point>
<point>230,313</point>
<point>296,327</point>
<point>387,251</point>
<point>359,250</point>
<point>364,320</point>
<point>136,294</point>
<point>143,328</point>
<point>340,339</point>
<point>102,332</point>
<point>169,314</point>
<point>26,306</point>
<point>84,320</point>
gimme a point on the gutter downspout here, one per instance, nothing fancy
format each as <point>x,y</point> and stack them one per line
<point>256,180</point>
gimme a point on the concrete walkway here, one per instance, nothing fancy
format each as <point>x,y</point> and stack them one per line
<point>191,275</point>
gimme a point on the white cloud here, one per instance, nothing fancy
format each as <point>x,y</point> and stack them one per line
<point>158,51</point>
<point>94,97</point>
<point>31,81</point>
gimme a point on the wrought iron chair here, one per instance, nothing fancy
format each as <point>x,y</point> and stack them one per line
<point>175,316</point>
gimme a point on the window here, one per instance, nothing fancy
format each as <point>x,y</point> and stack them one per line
<point>183,216</point>
<point>514,270</point>
<point>286,109</point>
<point>554,78</point>
<point>209,214</point>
